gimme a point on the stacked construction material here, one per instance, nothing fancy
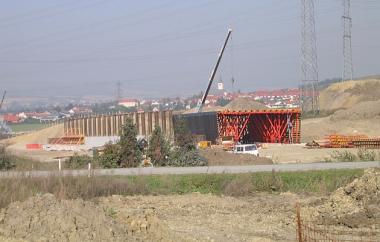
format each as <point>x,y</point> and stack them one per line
<point>367,143</point>
<point>336,141</point>
<point>343,141</point>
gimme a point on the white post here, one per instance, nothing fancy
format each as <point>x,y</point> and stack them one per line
<point>59,165</point>
<point>89,169</point>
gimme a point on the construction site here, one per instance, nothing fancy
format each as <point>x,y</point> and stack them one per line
<point>307,171</point>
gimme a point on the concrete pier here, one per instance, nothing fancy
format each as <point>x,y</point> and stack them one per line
<point>110,125</point>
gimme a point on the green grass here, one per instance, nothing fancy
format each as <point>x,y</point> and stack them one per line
<point>25,127</point>
<point>322,182</point>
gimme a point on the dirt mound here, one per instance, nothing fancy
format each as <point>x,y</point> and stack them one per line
<point>44,218</point>
<point>219,157</point>
<point>242,103</point>
<point>344,95</point>
<point>204,109</point>
<point>40,136</point>
<point>356,204</point>
<point>363,110</point>
<point>239,104</point>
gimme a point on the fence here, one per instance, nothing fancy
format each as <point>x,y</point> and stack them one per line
<point>311,231</point>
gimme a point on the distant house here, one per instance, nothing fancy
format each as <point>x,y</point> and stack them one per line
<point>129,103</point>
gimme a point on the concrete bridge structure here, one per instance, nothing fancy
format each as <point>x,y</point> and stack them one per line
<point>110,125</point>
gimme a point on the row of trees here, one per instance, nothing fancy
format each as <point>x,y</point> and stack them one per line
<point>128,152</point>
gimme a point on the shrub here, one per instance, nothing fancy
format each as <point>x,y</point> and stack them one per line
<point>78,161</point>
<point>183,157</point>
<point>366,155</point>
<point>110,157</point>
<point>159,148</point>
<point>6,161</point>
<point>130,154</point>
<point>345,156</point>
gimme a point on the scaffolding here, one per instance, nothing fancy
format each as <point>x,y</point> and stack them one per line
<point>266,126</point>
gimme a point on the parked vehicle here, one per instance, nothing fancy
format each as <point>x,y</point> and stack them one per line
<point>246,149</point>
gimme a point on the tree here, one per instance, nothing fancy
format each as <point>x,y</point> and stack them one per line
<point>130,154</point>
<point>182,135</point>
<point>110,157</point>
<point>6,161</point>
<point>159,148</point>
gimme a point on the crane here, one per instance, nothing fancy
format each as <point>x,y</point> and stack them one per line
<point>211,79</point>
<point>2,100</point>
<point>5,131</point>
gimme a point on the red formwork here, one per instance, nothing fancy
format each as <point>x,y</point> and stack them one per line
<point>267,126</point>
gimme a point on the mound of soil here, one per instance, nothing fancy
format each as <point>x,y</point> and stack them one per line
<point>356,204</point>
<point>344,95</point>
<point>363,110</point>
<point>242,103</point>
<point>44,218</point>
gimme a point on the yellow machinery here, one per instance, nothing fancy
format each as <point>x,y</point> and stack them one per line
<point>204,144</point>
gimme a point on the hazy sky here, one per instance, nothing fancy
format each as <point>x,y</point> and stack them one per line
<point>168,48</point>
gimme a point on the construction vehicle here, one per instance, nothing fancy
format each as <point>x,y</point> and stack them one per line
<point>5,131</point>
<point>205,94</point>
<point>204,144</point>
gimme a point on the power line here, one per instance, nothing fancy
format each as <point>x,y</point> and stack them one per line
<point>347,46</point>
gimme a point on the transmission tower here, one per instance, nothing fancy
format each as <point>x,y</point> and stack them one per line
<point>347,50</point>
<point>309,66</point>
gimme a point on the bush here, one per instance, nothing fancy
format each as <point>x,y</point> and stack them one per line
<point>78,161</point>
<point>6,161</point>
<point>366,155</point>
<point>159,148</point>
<point>110,157</point>
<point>344,156</point>
<point>183,157</point>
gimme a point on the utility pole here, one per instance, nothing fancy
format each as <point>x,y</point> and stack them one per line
<point>309,65</point>
<point>347,48</point>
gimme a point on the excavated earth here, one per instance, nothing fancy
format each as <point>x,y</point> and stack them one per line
<point>189,217</point>
<point>354,205</point>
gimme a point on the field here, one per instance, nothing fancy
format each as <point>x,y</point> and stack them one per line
<point>25,127</point>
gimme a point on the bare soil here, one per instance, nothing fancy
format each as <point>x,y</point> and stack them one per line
<point>344,95</point>
<point>354,205</point>
<point>190,217</point>
<point>219,157</point>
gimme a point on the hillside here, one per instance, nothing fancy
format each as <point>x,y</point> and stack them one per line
<point>345,95</point>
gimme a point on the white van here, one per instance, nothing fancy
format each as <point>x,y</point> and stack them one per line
<point>246,149</point>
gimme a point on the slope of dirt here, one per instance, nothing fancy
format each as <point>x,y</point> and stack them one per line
<point>363,110</point>
<point>205,217</point>
<point>346,94</point>
<point>239,104</point>
<point>242,103</point>
<point>190,217</point>
<point>44,218</point>
<point>219,157</point>
<point>354,205</point>
<point>40,136</point>
<point>361,118</point>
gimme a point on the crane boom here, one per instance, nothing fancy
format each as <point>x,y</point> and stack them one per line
<point>2,100</point>
<point>203,100</point>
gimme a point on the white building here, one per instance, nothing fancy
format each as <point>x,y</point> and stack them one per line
<point>129,103</point>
